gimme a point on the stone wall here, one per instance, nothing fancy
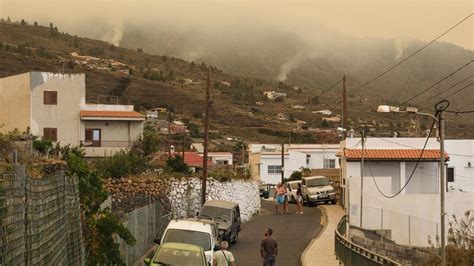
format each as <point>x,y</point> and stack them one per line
<point>185,196</point>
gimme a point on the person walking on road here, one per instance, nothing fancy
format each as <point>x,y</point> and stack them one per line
<point>299,199</point>
<point>269,249</point>
<point>223,257</point>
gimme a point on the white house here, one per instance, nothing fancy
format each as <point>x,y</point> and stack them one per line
<point>395,197</point>
<point>265,159</point>
<point>460,167</point>
<point>53,106</point>
<point>221,158</point>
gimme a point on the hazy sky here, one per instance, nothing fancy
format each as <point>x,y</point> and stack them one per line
<point>420,19</point>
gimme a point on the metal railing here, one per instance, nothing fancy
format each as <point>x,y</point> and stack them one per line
<point>107,143</point>
<point>352,254</point>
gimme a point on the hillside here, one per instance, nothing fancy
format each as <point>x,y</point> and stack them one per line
<point>163,81</point>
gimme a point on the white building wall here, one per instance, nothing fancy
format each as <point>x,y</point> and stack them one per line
<point>64,116</point>
<point>461,153</point>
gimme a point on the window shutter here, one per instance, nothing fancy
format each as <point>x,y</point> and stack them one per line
<point>88,134</point>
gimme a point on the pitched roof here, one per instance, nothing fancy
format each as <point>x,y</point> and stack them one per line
<point>393,154</point>
<point>113,114</point>
<point>193,159</point>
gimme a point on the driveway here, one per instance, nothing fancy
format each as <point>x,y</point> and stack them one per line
<point>293,233</point>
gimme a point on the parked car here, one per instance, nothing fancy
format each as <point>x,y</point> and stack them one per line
<point>317,189</point>
<point>194,231</point>
<point>292,187</point>
<point>264,192</point>
<point>227,216</point>
<point>178,254</point>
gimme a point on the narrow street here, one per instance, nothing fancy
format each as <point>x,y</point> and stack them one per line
<point>293,233</point>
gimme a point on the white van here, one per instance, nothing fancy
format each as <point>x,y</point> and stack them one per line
<point>194,231</point>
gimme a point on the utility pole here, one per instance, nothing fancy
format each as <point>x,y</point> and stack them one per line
<point>184,143</point>
<point>243,154</point>
<point>362,176</point>
<point>344,109</point>
<point>283,163</point>
<point>442,185</point>
<point>168,139</point>
<point>206,133</point>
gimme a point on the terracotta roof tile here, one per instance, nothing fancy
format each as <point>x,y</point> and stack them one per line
<point>193,159</point>
<point>116,114</point>
<point>393,154</point>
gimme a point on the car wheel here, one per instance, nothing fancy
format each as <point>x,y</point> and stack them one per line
<point>333,202</point>
<point>308,203</point>
<point>236,238</point>
<point>293,200</point>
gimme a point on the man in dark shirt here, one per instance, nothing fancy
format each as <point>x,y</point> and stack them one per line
<point>269,249</point>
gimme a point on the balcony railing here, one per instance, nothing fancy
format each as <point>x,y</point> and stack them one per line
<point>107,143</point>
<point>352,254</point>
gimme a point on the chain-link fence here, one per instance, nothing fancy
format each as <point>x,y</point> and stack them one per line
<point>39,220</point>
<point>401,228</point>
<point>145,224</point>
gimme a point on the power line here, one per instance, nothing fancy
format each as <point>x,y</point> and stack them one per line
<point>412,173</point>
<point>461,89</point>
<point>413,147</point>
<point>460,112</point>
<point>438,82</point>
<point>450,87</point>
<point>414,53</point>
<point>330,88</point>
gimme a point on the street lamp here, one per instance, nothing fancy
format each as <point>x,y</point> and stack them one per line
<point>440,120</point>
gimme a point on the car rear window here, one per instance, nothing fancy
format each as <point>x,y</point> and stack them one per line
<point>170,256</point>
<point>200,239</point>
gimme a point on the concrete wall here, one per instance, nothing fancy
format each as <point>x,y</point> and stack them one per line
<point>15,102</point>
<point>65,115</point>
<point>412,218</point>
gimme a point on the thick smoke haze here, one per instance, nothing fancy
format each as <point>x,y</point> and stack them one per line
<point>279,40</point>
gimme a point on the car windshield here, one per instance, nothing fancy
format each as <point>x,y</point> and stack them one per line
<point>294,185</point>
<point>170,256</point>
<point>188,237</point>
<point>216,212</point>
<point>317,182</point>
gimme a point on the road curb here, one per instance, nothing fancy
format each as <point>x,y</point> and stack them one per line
<point>317,235</point>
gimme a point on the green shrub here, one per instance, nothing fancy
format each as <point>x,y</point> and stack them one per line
<point>43,146</point>
<point>176,164</point>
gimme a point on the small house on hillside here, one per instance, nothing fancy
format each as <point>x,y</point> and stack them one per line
<point>272,95</point>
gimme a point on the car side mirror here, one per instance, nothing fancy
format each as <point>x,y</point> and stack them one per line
<point>216,247</point>
<point>147,261</point>
<point>332,183</point>
<point>157,241</point>
<point>197,213</point>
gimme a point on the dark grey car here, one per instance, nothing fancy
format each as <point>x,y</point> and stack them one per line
<point>227,216</point>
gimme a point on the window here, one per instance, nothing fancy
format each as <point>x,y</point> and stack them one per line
<point>50,133</point>
<point>50,97</point>
<point>222,162</point>
<point>329,163</point>
<point>274,169</point>
<point>93,137</point>
<point>450,174</point>
<point>307,158</point>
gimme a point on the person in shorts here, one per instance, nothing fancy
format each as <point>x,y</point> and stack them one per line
<point>299,199</point>
<point>280,198</point>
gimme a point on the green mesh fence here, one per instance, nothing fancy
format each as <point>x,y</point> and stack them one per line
<point>40,220</point>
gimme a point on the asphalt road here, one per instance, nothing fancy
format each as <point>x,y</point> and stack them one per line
<point>293,233</point>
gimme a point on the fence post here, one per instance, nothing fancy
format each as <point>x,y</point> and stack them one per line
<point>409,231</point>
<point>381,224</point>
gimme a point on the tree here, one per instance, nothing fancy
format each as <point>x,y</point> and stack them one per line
<point>35,24</point>
<point>324,123</point>
<point>9,20</point>
<point>23,22</point>
<point>296,175</point>
<point>101,226</point>
<point>176,164</point>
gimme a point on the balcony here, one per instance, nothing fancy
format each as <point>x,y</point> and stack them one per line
<point>104,148</point>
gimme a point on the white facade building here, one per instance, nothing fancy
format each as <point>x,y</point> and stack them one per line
<point>265,159</point>
<point>413,215</point>
<point>221,158</point>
